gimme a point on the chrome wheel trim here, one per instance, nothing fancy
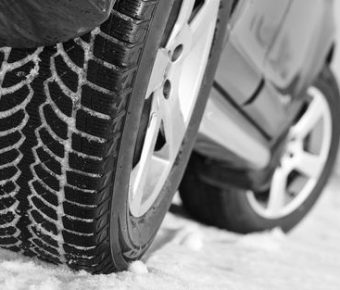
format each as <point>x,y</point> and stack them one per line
<point>174,87</point>
<point>297,159</point>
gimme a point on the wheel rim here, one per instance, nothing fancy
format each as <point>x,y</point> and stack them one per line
<point>173,88</point>
<point>302,163</point>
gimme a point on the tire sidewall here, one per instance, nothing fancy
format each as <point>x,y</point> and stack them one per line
<point>130,237</point>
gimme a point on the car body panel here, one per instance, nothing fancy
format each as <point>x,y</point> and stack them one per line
<point>248,143</point>
<point>269,110</point>
<point>298,54</point>
<point>301,45</point>
<point>273,53</point>
<point>252,31</point>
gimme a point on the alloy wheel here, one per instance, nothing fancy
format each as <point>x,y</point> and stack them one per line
<point>172,94</point>
<point>302,163</point>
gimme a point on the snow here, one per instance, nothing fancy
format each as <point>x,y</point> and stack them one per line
<point>188,255</point>
<point>138,267</point>
<point>193,241</point>
<point>270,242</point>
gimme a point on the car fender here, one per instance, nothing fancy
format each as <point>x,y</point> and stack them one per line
<point>32,23</point>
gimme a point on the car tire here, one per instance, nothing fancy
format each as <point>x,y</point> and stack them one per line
<point>233,208</point>
<point>74,119</point>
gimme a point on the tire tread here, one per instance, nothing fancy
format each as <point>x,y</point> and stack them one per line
<point>62,110</point>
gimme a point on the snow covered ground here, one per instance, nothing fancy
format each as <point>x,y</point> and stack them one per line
<point>187,255</point>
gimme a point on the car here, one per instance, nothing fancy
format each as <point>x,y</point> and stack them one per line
<point>269,137</point>
<point>98,123</point>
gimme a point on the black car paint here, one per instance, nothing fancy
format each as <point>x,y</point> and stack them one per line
<point>33,23</point>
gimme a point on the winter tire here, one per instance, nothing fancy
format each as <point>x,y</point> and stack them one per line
<point>83,123</point>
<point>296,183</point>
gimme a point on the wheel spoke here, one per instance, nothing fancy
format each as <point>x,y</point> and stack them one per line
<point>198,31</point>
<point>308,164</point>
<point>143,167</point>
<point>310,118</point>
<point>278,190</point>
<point>158,72</point>
<point>201,23</point>
<point>173,122</point>
<point>182,19</point>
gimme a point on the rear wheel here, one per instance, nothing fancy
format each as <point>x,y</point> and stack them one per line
<point>296,183</point>
<point>95,133</point>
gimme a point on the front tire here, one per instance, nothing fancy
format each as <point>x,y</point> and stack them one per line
<point>244,211</point>
<point>75,120</point>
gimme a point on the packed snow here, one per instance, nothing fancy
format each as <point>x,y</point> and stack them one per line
<point>188,255</point>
